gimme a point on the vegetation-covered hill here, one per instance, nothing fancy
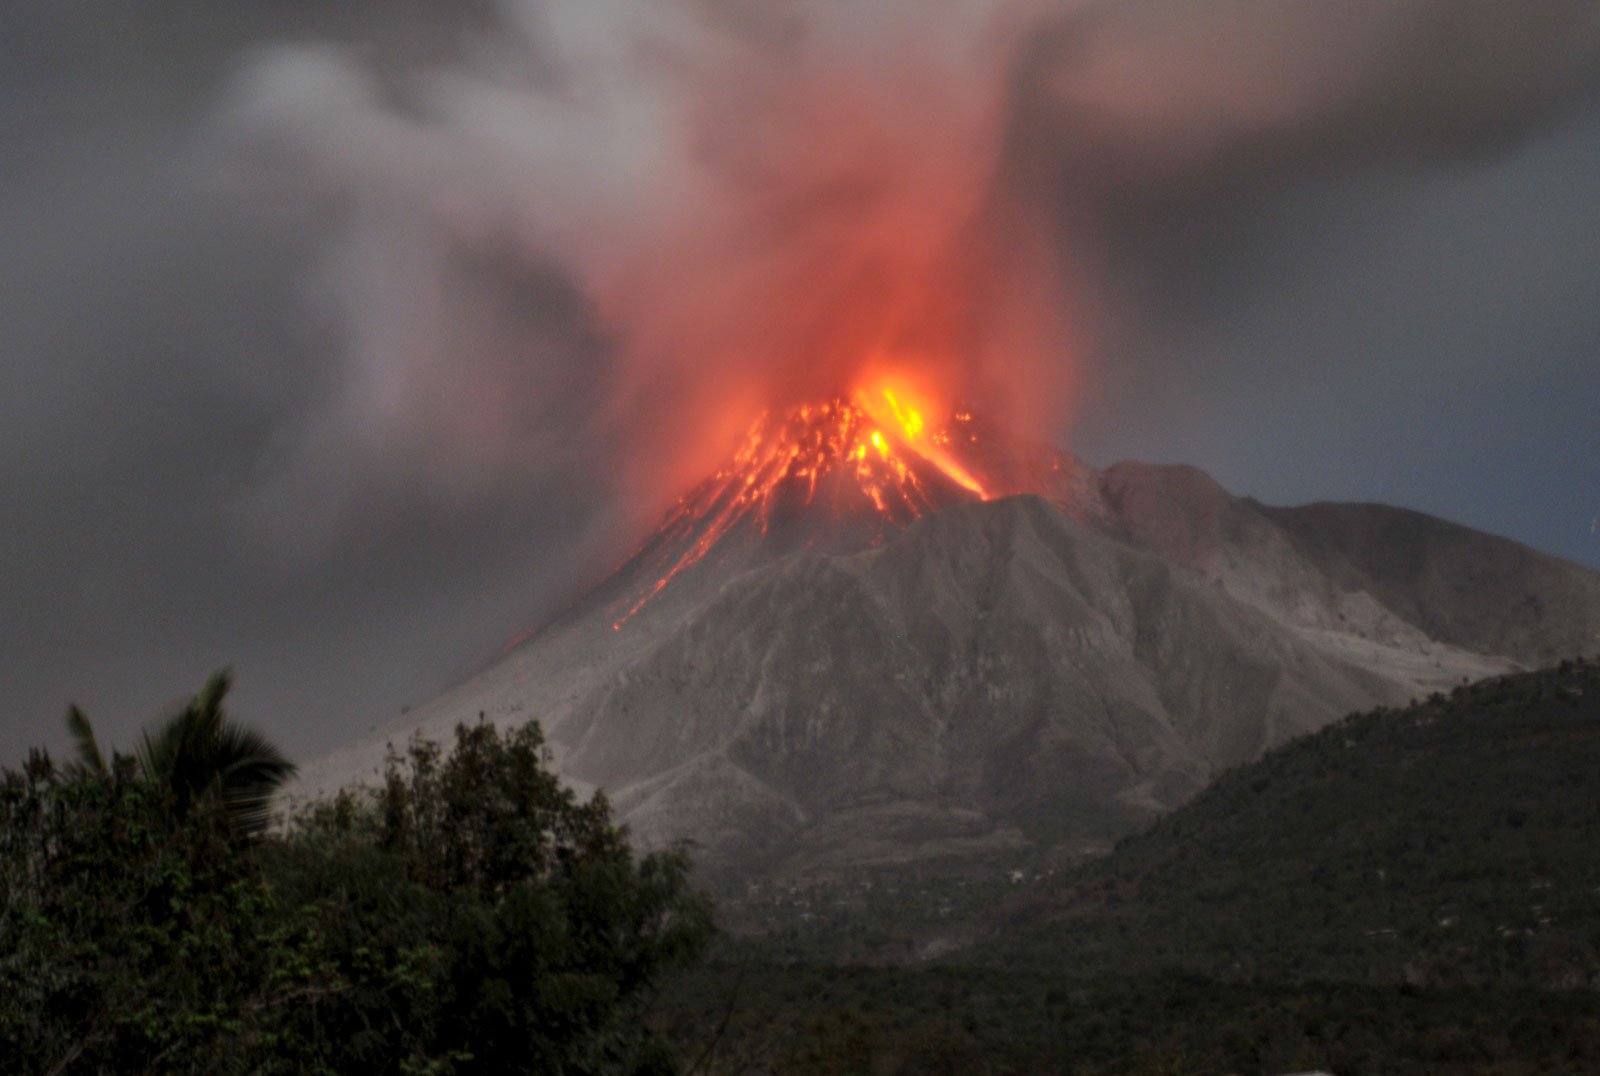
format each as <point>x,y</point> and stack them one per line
<point>771,1020</point>
<point>1451,842</point>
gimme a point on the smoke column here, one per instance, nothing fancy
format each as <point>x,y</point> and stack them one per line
<point>605,234</point>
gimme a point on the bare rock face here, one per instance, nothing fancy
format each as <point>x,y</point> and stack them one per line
<point>1022,671</point>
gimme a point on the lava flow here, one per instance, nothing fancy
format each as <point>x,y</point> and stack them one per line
<point>872,457</point>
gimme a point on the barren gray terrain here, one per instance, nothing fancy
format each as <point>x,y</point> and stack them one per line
<point>1025,672</point>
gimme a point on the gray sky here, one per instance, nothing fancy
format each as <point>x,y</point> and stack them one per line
<point>258,421</point>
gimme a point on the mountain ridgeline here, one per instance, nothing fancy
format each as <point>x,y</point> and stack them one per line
<point>1043,665</point>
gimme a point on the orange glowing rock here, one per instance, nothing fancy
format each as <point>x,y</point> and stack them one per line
<point>814,460</point>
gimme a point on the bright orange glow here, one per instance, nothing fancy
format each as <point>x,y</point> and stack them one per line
<point>816,457</point>
<point>909,417</point>
<point>899,406</point>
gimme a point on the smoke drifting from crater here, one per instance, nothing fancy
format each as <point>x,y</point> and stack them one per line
<point>612,231</point>
<point>750,207</point>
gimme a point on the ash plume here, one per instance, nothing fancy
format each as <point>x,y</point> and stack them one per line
<point>603,234</point>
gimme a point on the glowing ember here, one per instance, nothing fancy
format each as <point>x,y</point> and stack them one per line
<point>874,456</point>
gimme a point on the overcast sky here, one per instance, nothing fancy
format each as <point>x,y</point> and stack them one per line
<point>1388,298</point>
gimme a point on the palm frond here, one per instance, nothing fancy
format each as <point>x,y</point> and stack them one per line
<point>251,768</point>
<point>209,700</point>
<point>196,752</point>
<point>91,759</point>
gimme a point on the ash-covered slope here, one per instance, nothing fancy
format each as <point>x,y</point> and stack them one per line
<point>972,672</point>
<point>996,675</point>
<point>1380,571</point>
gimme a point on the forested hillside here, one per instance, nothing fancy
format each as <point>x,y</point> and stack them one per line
<point>1451,842</point>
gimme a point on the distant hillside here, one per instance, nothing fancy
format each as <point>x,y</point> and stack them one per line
<point>1452,842</point>
<point>1472,590</point>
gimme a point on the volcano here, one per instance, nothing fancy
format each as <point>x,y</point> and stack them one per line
<point>884,633</point>
<point>837,476</point>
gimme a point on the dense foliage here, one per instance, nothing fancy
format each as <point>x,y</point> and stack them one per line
<point>477,916</point>
<point>470,916</point>
<point>131,937</point>
<point>972,1021</point>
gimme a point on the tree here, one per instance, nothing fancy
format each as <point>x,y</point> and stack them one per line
<point>197,752</point>
<point>128,934</point>
<point>501,923</point>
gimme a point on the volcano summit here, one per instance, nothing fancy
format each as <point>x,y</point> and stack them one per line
<point>836,476</point>
<point>883,633</point>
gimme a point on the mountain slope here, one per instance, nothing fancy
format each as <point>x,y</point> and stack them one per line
<point>1367,572</point>
<point>998,672</point>
<point>1463,587</point>
<point>836,654</point>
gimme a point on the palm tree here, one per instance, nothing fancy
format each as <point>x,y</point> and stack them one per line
<point>197,753</point>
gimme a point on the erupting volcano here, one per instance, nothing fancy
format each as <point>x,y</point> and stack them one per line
<point>887,625</point>
<point>888,630</point>
<point>890,627</point>
<point>843,469</point>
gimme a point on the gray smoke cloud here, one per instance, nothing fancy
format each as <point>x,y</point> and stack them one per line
<point>748,200</point>
<point>1149,92</point>
<point>345,338</point>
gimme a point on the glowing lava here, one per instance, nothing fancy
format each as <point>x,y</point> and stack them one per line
<point>892,406</point>
<point>873,459</point>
